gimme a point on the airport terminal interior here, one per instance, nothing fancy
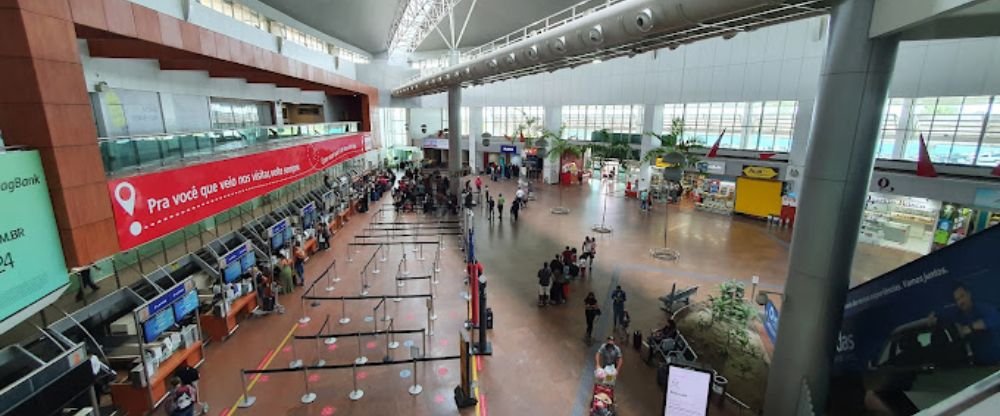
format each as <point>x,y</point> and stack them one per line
<point>506,207</point>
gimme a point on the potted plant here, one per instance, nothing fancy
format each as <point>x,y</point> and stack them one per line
<point>559,146</point>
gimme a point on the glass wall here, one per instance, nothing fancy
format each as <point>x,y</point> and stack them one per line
<point>248,15</point>
<point>394,127</point>
<point>232,114</point>
<point>582,121</point>
<point>500,121</point>
<point>958,130</point>
<point>465,119</point>
<point>759,125</point>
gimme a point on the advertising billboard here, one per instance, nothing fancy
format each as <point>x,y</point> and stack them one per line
<point>31,256</point>
<point>152,205</point>
<point>923,331</point>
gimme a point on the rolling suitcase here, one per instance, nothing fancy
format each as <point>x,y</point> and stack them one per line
<point>637,340</point>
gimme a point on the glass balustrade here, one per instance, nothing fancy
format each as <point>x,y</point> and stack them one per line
<point>132,154</point>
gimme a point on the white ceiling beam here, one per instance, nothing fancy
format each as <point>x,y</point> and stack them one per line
<point>893,16</point>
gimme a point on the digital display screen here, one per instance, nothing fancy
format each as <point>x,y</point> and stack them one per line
<point>156,325</point>
<point>184,306</point>
<point>277,242</point>
<point>232,272</point>
<point>247,261</point>
<point>687,392</point>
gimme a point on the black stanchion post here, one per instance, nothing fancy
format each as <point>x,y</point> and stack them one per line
<point>296,361</point>
<point>361,355</point>
<point>344,320</point>
<point>357,393</point>
<point>308,396</point>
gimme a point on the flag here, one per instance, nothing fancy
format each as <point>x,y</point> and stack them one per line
<point>766,156</point>
<point>925,167</point>
<point>996,170</point>
<point>714,151</point>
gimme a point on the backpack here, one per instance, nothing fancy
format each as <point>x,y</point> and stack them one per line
<point>183,398</point>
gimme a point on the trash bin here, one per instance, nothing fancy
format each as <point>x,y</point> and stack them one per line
<point>719,384</point>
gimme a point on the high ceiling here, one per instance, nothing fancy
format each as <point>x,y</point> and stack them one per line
<point>365,23</point>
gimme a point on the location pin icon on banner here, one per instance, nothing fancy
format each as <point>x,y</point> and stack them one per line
<point>125,195</point>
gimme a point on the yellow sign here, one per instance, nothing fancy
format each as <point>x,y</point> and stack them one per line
<point>661,164</point>
<point>760,172</point>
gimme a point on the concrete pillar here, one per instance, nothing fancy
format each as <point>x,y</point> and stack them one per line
<point>840,156</point>
<point>455,136</point>
<point>44,105</point>
<point>475,138</point>
<point>652,121</point>
<point>800,144</point>
<point>553,122</point>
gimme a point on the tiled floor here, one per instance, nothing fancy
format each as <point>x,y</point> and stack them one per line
<point>539,365</point>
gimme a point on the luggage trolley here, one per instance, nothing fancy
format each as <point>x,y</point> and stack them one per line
<point>603,401</point>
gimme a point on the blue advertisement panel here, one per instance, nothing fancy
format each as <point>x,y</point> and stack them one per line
<point>771,321</point>
<point>924,331</point>
<point>508,149</point>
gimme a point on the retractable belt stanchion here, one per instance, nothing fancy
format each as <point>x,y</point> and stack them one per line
<point>421,258</point>
<point>308,396</point>
<point>384,253</point>
<point>350,259</point>
<point>377,271</point>
<point>415,389</point>
<point>296,361</point>
<point>406,270</point>
<point>344,320</point>
<point>361,353</point>
<point>391,341</point>
<point>329,278</point>
<point>247,400</point>
<point>357,393</point>
<point>319,360</point>
<point>336,277</point>
<point>305,318</point>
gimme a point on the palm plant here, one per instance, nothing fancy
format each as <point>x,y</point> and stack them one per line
<point>612,146</point>
<point>530,130</point>
<point>559,146</point>
<point>679,153</point>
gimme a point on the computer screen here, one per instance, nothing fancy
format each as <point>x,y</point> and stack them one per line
<point>185,305</point>
<point>277,241</point>
<point>157,324</point>
<point>247,261</point>
<point>308,219</point>
<point>232,272</point>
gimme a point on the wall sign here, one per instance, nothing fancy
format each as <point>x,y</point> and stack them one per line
<point>508,149</point>
<point>432,143</point>
<point>771,320</point>
<point>760,172</point>
<point>155,204</point>
<point>687,392</point>
<point>31,256</point>
<point>714,167</point>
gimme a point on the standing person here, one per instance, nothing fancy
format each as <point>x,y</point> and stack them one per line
<point>521,198</point>
<point>487,192</point>
<point>286,276</point>
<point>500,201</point>
<point>590,310</point>
<point>86,280</point>
<point>515,207</point>
<point>300,264</point>
<point>643,200</point>
<point>567,259</point>
<point>544,281</point>
<point>618,310</point>
<point>609,354</point>
<point>189,377</point>
<point>592,253</point>
<point>489,208</point>
<point>479,184</point>
<point>556,290</point>
<point>181,401</point>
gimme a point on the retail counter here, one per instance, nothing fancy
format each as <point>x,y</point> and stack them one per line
<point>138,400</point>
<point>218,328</point>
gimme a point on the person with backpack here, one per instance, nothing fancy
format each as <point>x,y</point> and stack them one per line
<point>182,399</point>
<point>556,290</point>
<point>490,202</point>
<point>189,377</point>
<point>591,311</point>
<point>544,281</point>
<point>515,207</point>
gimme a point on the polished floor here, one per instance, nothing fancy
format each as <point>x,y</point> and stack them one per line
<point>541,364</point>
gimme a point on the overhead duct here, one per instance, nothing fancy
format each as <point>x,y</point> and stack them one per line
<point>625,28</point>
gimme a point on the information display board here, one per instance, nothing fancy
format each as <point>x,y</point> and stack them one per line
<point>31,256</point>
<point>687,392</point>
<point>157,324</point>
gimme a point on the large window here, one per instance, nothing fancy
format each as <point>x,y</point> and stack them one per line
<point>465,119</point>
<point>501,121</point>
<point>582,121</point>
<point>247,15</point>
<point>394,127</point>
<point>761,125</point>
<point>958,130</point>
<point>232,114</point>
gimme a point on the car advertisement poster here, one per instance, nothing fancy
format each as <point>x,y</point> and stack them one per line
<point>152,205</point>
<point>922,332</point>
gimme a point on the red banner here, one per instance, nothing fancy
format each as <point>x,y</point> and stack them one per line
<point>155,204</point>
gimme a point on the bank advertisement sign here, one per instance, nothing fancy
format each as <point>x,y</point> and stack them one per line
<point>31,256</point>
<point>152,205</point>
<point>771,321</point>
<point>927,329</point>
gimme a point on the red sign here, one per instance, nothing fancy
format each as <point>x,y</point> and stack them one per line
<point>155,204</point>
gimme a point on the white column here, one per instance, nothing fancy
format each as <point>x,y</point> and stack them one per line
<point>800,143</point>
<point>903,127</point>
<point>652,121</point>
<point>550,167</point>
<point>475,137</point>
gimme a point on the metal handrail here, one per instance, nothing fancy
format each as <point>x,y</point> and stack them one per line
<point>532,29</point>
